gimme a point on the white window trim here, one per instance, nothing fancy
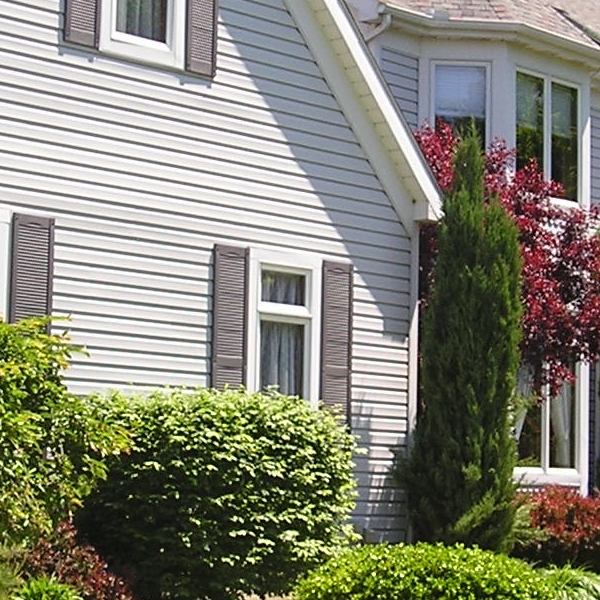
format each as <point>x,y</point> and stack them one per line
<point>171,53</point>
<point>579,475</point>
<point>582,189</point>
<point>462,63</point>
<point>309,315</point>
<point>5,235</point>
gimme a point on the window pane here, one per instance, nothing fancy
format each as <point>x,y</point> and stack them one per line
<point>282,356</point>
<point>562,425</point>
<point>564,138</point>
<point>530,119</point>
<point>144,18</point>
<point>283,288</point>
<point>528,421</point>
<point>460,96</point>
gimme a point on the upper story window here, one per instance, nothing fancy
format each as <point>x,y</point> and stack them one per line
<point>460,96</point>
<point>179,34</point>
<point>547,129</point>
<point>146,30</point>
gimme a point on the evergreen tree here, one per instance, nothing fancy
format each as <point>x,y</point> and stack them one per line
<point>458,477</point>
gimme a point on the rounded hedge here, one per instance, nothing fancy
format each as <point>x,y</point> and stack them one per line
<point>225,492</point>
<point>423,572</point>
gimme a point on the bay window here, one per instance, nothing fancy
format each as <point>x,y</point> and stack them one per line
<point>551,434</point>
<point>548,130</point>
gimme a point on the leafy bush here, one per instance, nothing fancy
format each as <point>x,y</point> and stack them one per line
<point>63,559</point>
<point>46,588</point>
<point>10,578</point>
<point>423,572</point>
<point>225,492</point>
<point>51,442</point>
<point>570,528</point>
<point>572,583</point>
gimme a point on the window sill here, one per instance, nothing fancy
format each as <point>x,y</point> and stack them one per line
<point>529,477</point>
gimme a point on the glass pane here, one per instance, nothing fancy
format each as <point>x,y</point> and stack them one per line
<point>530,119</point>
<point>527,421</point>
<point>562,426</point>
<point>564,138</point>
<point>283,288</point>
<point>144,18</point>
<point>460,96</point>
<point>282,356</point>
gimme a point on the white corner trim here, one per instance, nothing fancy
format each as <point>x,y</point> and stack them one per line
<point>359,88</point>
<point>5,235</point>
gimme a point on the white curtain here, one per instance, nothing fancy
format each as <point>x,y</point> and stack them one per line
<point>524,389</point>
<point>459,91</point>
<point>144,18</point>
<point>281,356</point>
<point>561,421</point>
<point>282,344</point>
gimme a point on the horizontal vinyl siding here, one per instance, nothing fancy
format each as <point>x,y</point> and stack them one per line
<point>401,72</point>
<point>146,169</point>
<point>595,157</point>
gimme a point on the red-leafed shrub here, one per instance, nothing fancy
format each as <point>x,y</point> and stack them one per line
<point>560,249</point>
<point>569,525</point>
<point>79,566</point>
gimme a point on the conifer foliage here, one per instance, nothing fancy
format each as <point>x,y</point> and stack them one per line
<point>459,475</point>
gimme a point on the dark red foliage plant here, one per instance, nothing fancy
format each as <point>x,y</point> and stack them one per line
<point>62,557</point>
<point>570,524</point>
<point>560,247</point>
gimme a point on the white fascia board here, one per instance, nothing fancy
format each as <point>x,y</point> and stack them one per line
<point>489,30</point>
<point>355,80</point>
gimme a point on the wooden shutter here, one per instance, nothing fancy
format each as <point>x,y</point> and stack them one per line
<point>201,43</point>
<point>336,335</point>
<point>31,267</point>
<point>592,440</point>
<point>229,316</point>
<point>82,19</point>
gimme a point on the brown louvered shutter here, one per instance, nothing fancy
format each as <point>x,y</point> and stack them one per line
<point>229,316</point>
<point>82,21</point>
<point>201,43</point>
<point>31,267</point>
<point>336,335</point>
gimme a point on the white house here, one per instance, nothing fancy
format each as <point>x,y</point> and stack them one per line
<point>201,187</point>
<point>529,73</point>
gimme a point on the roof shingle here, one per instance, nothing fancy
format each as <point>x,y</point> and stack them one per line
<point>578,20</point>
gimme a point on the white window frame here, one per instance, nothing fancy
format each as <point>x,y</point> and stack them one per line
<point>461,63</point>
<point>170,53</point>
<point>547,125</point>
<point>308,315</point>
<point>578,475</point>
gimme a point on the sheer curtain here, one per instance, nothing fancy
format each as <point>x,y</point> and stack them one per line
<point>561,420</point>
<point>144,18</point>
<point>281,343</point>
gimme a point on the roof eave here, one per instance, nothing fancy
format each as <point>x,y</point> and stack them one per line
<point>484,29</point>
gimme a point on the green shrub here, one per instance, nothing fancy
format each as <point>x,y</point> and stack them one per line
<point>10,578</point>
<point>52,444</point>
<point>46,588</point>
<point>225,492</point>
<point>423,572</point>
<point>572,583</point>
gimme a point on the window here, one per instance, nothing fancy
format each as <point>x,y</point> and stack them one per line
<point>179,34</point>
<point>550,434</point>
<point>460,96</point>
<point>282,320</point>
<point>26,265</point>
<point>547,129</point>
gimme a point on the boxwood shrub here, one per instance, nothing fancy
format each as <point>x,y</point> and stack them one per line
<point>423,572</point>
<point>225,492</point>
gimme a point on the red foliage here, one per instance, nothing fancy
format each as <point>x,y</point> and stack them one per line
<point>571,524</point>
<point>80,566</point>
<point>560,248</point>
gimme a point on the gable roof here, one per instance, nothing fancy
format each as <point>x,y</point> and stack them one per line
<point>575,20</point>
<point>358,85</point>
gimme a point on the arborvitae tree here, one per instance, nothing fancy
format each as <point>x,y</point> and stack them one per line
<point>458,476</point>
